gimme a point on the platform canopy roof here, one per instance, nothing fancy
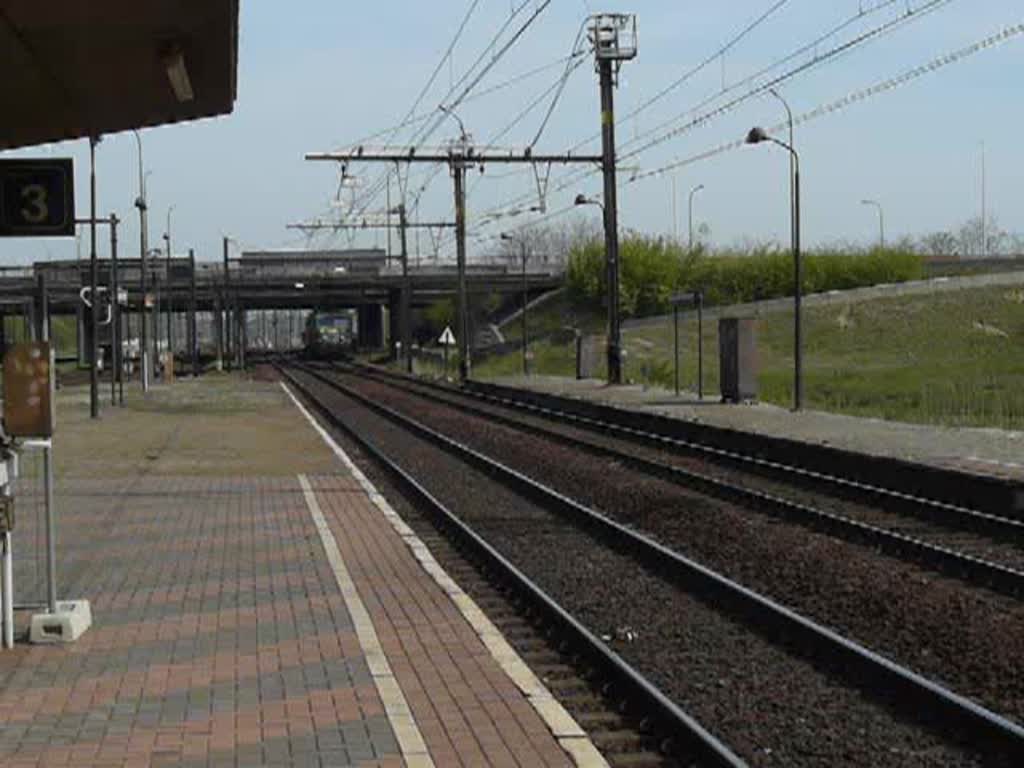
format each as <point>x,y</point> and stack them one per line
<point>75,68</point>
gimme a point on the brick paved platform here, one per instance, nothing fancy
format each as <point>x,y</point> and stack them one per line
<point>246,620</point>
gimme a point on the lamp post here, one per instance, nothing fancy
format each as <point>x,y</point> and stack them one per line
<point>758,136</point>
<point>170,329</point>
<point>693,192</point>
<point>881,220</point>
<point>526,296</point>
<point>614,330</point>
<point>140,203</point>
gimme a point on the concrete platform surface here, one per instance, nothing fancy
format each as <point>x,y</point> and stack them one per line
<point>995,452</point>
<point>253,604</point>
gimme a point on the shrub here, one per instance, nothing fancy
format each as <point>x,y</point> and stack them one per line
<point>653,269</point>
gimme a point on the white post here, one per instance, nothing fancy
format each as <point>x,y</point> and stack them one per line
<point>51,533</point>
<point>8,591</point>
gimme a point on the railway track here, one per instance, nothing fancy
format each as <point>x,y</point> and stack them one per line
<point>779,687</point>
<point>980,548</point>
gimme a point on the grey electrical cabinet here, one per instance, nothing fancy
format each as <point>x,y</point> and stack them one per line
<point>737,353</point>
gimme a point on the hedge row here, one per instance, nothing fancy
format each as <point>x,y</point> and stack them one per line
<point>652,270</point>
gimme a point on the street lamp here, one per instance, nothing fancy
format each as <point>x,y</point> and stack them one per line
<point>881,220</point>
<point>526,296</point>
<point>170,329</point>
<point>758,136</point>
<point>614,330</point>
<point>693,192</point>
<point>140,203</point>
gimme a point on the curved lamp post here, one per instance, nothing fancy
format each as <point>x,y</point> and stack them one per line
<point>758,136</point>
<point>140,203</point>
<point>526,295</point>
<point>693,192</point>
<point>881,220</point>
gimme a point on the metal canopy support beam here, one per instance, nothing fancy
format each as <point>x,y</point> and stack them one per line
<point>116,378</point>
<point>94,382</point>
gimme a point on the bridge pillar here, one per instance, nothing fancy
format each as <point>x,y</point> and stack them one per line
<point>371,326</point>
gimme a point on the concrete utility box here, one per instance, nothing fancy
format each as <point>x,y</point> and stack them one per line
<point>737,354</point>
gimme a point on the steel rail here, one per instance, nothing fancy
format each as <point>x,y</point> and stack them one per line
<point>925,700</point>
<point>999,578</point>
<point>925,507</point>
<point>684,737</point>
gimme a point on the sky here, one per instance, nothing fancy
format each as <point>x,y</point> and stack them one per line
<point>318,75</point>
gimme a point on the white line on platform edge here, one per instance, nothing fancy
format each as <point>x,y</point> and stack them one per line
<point>570,736</point>
<point>403,724</point>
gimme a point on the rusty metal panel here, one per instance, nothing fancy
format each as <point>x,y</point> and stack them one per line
<point>737,351</point>
<point>29,392</point>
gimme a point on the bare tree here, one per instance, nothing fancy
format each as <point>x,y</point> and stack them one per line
<point>548,245</point>
<point>978,240</point>
<point>940,244</point>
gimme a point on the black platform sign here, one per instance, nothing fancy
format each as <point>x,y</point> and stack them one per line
<point>37,198</point>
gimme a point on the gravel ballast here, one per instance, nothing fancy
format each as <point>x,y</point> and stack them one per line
<point>968,639</point>
<point>774,708</point>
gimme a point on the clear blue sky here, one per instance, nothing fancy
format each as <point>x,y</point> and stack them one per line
<point>321,74</point>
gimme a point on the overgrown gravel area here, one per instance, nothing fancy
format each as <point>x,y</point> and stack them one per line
<point>967,639</point>
<point>771,706</point>
<point>991,547</point>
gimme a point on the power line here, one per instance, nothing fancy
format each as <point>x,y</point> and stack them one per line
<point>576,177</point>
<point>884,86</point>
<point>817,60</point>
<point>569,69</point>
<point>905,17</point>
<point>696,70</point>
<point>474,78</point>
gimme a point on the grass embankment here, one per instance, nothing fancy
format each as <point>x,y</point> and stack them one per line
<point>950,358</point>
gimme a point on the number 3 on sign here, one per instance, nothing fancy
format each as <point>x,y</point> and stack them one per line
<point>36,210</point>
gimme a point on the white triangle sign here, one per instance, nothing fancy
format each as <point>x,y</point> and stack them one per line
<point>447,338</point>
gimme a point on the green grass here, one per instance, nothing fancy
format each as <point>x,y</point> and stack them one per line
<point>555,316</point>
<point>951,358</point>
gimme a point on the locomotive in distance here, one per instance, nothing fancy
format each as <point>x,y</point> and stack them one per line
<point>330,335</point>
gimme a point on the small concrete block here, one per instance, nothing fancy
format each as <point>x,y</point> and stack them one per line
<point>583,753</point>
<point>560,722</point>
<point>71,620</point>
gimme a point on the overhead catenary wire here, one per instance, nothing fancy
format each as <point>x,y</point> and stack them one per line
<point>569,69</point>
<point>935,64</point>
<point>776,81</point>
<point>575,177</point>
<point>698,68</point>
<point>375,188</point>
<point>473,77</point>
<point>906,16</point>
<point>1004,35</point>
